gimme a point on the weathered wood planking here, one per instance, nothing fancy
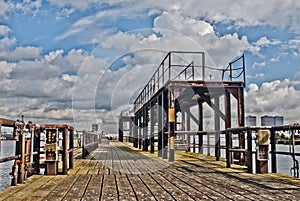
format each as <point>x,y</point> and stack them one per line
<point>116,172</point>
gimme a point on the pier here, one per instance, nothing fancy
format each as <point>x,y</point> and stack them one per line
<point>155,157</point>
<point>116,171</point>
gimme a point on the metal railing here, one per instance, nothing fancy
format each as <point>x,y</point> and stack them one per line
<point>184,66</point>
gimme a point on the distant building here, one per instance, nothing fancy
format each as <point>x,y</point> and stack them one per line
<point>278,120</point>
<point>250,120</point>
<point>272,120</point>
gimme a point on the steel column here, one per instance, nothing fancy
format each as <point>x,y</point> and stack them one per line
<point>273,151</point>
<point>152,127</point>
<point>217,128</point>
<point>200,127</point>
<point>160,127</point>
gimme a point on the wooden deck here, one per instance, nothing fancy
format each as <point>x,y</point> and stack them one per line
<point>117,172</point>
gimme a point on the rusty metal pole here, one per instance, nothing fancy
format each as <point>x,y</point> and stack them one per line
<point>71,154</point>
<point>159,125</point>
<point>65,151</point>
<point>152,128</point>
<point>203,66</point>
<point>228,125</point>
<point>188,128</point>
<point>171,131</point>
<point>135,132</point>
<point>140,131</point>
<point>273,151</point>
<point>21,172</point>
<point>36,142</point>
<point>83,144</point>
<point>200,127</point>
<point>145,128</point>
<point>121,129</point>
<point>165,125</point>
<point>228,147</point>
<point>217,128</point>
<point>249,152</point>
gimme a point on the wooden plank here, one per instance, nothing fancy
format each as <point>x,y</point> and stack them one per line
<point>176,193</point>
<point>59,192</point>
<point>46,188</point>
<point>94,188</point>
<point>30,189</point>
<point>14,189</point>
<point>78,188</point>
<point>124,188</point>
<point>109,189</point>
<point>159,192</point>
<point>141,191</point>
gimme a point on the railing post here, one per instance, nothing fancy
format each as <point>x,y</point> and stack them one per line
<point>171,131</point>
<point>203,66</point>
<point>36,145</point>
<point>273,151</point>
<point>249,151</point>
<point>65,151</point>
<point>228,147</point>
<point>160,127</point>
<point>71,154</point>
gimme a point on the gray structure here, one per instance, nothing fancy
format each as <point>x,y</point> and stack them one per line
<point>250,120</point>
<point>272,120</point>
<point>278,120</point>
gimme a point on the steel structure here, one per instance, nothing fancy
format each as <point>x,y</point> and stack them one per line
<point>162,111</point>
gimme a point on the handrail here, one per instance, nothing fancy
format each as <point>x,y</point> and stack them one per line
<point>166,71</point>
<point>10,158</point>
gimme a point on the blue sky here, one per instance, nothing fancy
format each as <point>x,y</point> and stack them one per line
<point>54,54</point>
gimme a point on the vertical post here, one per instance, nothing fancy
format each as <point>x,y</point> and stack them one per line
<point>152,127</point>
<point>200,127</point>
<point>194,144</point>
<point>170,65</point>
<point>249,151</point>
<point>21,172</point>
<point>217,128</point>
<point>273,151</point>
<point>203,66</point>
<point>140,132</point>
<point>159,125</point>
<point>241,119</point>
<point>228,125</point>
<point>244,69</point>
<point>165,125</point>
<point>71,154</point>
<point>84,151</point>
<point>65,151</point>
<point>36,158</point>
<point>121,129</point>
<point>171,131</point>
<point>145,128</point>
<point>135,132</point>
<point>188,128</point>
<point>228,147</point>
<point>130,130</point>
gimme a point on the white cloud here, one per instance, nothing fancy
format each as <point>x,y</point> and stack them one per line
<point>274,98</point>
<point>19,53</point>
<point>259,65</point>
<point>183,25</point>
<point>4,30</point>
<point>3,7</point>
<point>6,69</point>
<point>240,13</point>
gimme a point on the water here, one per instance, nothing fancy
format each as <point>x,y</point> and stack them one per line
<point>7,148</point>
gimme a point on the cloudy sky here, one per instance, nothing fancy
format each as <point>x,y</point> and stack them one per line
<point>81,62</point>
